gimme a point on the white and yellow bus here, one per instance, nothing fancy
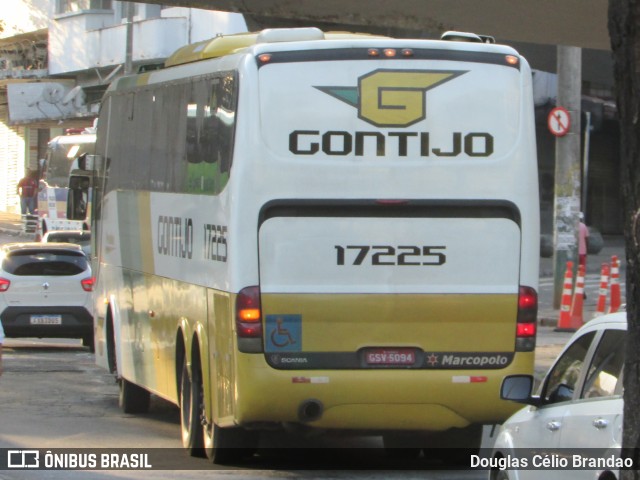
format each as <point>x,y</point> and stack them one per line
<point>62,152</point>
<point>327,230</point>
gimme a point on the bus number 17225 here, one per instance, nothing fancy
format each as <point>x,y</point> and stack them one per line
<point>406,255</point>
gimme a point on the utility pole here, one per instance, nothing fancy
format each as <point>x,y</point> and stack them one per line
<point>128,57</point>
<point>567,172</point>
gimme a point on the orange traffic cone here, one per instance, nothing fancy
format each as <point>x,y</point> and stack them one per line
<point>564,322</point>
<point>604,289</point>
<point>578,301</point>
<point>616,301</point>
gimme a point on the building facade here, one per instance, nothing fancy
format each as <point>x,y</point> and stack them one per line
<point>57,58</point>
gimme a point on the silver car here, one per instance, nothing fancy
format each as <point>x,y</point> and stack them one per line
<point>45,291</point>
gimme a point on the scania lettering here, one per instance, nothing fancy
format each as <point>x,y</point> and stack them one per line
<point>289,222</point>
<point>335,143</point>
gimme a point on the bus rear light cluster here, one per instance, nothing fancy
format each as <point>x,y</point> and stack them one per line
<point>249,313</point>
<point>526,324</point>
<point>390,52</point>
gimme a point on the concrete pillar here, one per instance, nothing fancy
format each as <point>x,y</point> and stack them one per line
<point>567,172</point>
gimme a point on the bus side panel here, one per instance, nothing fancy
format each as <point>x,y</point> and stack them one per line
<point>220,384</point>
<point>151,307</point>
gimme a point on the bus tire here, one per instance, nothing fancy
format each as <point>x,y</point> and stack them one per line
<point>229,445</point>
<point>224,445</point>
<point>190,427</point>
<point>112,361</point>
<point>133,398</point>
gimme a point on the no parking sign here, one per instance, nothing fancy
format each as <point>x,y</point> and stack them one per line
<point>559,121</point>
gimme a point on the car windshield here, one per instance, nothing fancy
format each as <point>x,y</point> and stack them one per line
<point>31,263</point>
<point>68,238</point>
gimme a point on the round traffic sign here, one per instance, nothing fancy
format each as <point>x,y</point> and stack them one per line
<point>559,121</point>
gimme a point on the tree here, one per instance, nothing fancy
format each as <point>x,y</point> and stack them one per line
<point>624,31</point>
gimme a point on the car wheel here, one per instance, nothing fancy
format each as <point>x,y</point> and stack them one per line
<point>133,398</point>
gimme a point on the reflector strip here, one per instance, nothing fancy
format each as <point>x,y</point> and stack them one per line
<point>468,379</point>
<point>309,379</point>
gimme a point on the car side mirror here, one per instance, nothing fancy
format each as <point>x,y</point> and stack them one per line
<point>517,388</point>
<point>562,393</point>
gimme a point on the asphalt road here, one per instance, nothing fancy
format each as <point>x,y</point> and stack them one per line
<point>52,396</point>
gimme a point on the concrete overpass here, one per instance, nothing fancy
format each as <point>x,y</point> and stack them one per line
<point>581,23</point>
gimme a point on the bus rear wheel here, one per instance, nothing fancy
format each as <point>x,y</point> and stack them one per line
<point>133,399</point>
<point>228,445</point>
<point>225,445</point>
<point>189,412</point>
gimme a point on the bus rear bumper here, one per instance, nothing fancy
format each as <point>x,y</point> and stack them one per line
<point>374,399</point>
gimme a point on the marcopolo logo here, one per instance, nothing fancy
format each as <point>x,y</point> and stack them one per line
<point>392,98</point>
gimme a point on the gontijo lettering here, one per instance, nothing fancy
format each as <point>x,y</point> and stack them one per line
<point>402,144</point>
<point>391,98</point>
<point>175,236</point>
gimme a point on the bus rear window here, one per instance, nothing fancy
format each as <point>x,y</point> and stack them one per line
<point>390,110</point>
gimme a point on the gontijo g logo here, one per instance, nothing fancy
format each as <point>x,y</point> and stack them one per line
<point>392,98</point>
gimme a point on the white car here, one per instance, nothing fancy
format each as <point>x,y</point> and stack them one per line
<point>573,428</point>
<point>78,237</point>
<point>45,291</point>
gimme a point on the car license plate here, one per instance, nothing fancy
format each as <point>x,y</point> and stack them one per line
<point>46,319</point>
<point>390,356</point>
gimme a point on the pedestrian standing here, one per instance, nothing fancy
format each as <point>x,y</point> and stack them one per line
<point>583,235</point>
<point>28,191</point>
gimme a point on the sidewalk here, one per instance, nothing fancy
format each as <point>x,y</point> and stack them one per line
<point>11,224</point>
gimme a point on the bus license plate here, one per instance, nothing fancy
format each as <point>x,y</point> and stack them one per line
<point>46,319</point>
<point>390,356</point>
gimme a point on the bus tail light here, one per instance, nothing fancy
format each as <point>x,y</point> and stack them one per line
<point>526,325</point>
<point>4,284</point>
<point>249,313</point>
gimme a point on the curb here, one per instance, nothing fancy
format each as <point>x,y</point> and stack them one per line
<point>547,322</point>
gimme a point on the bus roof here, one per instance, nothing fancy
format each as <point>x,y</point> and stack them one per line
<point>228,44</point>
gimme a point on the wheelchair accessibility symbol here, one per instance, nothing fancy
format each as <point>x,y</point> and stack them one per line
<point>283,333</point>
